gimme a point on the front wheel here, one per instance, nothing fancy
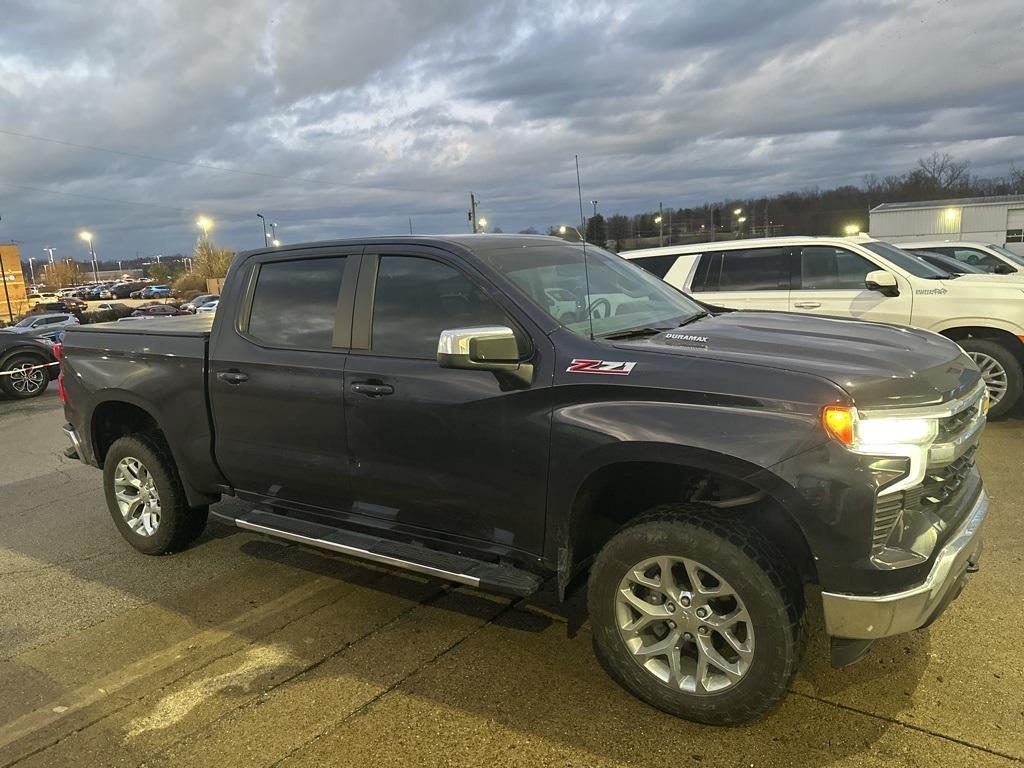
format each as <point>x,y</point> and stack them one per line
<point>697,615</point>
<point>1001,371</point>
<point>146,498</point>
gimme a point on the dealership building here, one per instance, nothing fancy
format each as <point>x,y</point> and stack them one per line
<point>998,219</point>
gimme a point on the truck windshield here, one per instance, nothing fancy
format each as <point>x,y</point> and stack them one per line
<point>908,262</point>
<point>1016,258</point>
<point>621,296</point>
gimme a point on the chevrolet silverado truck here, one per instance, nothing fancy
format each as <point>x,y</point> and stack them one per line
<point>497,411</point>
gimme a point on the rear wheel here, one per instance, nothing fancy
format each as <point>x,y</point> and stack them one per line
<point>697,615</point>
<point>1001,371</point>
<point>24,375</point>
<point>146,498</point>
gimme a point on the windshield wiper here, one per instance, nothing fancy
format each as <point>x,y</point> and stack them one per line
<point>698,316</point>
<point>643,330</point>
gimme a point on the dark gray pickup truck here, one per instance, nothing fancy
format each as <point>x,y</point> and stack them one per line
<point>496,410</point>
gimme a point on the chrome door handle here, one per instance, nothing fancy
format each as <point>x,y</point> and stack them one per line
<point>372,390</point>
<point>807,304</point>
<point>232,377</point>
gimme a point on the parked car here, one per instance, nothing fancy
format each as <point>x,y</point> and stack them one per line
<point>991,258</point>
<point>75,304</point>
<point>208,307</point>
<point>864,279</point>
<point>198,301</point>
<point>41,298</point>
<point>153,292</point>
<point>26,365</point>
<point>42,324</point>
<point>126,290</point>
<point>417,403</point>
<point>159,310</point>
<point>110,306</point>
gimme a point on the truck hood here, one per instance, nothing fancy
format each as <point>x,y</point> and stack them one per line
<point>878,365</point>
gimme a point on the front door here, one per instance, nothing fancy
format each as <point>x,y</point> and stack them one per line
<point>829,280</point>
<point>276,380</point>
<point>461,452</point>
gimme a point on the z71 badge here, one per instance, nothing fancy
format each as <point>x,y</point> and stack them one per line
<point>600,366</point>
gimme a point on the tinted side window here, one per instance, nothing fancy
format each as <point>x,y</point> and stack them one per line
<point>705,277</point>
<point>970,256</point>
<point>295,302</point>
<point>418,298</point>
<point>755,269</point>
<point>829,269</point>
<point>656,265</point>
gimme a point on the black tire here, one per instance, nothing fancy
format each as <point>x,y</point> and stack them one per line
<point>179,524</point>
<point>755,569</point>
<point>19,387</point>
<point>1011,367</point>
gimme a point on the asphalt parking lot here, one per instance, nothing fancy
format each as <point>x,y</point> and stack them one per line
<point>247,652</point>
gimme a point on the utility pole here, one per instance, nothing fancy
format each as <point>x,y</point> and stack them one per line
<point>410,225</point>
<point>472,212</point>
<point>670,226</point>
<point>711,216</point>
<point>661,226</point>
<point>594,203</point>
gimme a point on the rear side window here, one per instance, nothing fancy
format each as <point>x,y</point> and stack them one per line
<point>751,269</point>
<point>294,303</point>
<point>973,256</point>
<point>418,298</point>
<point>656,265</point>
<point>827,268</point>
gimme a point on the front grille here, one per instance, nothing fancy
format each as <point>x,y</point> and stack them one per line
<point>933,495</point>
<point>953,426</point>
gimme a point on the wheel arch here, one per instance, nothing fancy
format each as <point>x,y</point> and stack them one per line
<point>624,487</point>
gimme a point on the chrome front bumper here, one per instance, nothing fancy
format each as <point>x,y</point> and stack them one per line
<point>868,617</point>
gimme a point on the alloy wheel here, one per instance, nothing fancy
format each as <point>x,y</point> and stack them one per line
<point>994,375</point>
<point>137,497</point>
<point>684,624</point>
<point>27,379</point>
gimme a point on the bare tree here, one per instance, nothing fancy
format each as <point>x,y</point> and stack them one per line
<point>1016,179</point>
<point>945,171</point>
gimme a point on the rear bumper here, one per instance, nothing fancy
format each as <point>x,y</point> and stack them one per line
<point>868,617</point>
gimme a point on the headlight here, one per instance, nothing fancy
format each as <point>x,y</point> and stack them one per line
<point>888,432</point>
<point>876,435</point>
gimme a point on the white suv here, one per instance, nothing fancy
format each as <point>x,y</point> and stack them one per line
<point>861,278</point>
<point>989,257</point>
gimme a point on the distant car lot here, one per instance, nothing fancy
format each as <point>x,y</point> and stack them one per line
<point>242,651</point>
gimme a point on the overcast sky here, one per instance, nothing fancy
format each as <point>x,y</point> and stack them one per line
<point>363,114</point>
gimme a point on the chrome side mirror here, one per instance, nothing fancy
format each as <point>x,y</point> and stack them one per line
<point>488,348</point>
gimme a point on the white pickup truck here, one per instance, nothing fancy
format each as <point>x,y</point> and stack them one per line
<point>861,278</point>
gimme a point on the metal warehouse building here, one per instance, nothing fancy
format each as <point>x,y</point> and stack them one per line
<point>998,219</point>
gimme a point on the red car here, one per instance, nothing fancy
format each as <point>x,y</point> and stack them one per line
<point>159,310</point>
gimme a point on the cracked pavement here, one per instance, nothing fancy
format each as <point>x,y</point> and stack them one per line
<point>247,652</point>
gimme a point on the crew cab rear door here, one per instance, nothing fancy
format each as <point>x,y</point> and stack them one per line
<point>458,452</point>
<point>744,278</point>
<point>277,374</point>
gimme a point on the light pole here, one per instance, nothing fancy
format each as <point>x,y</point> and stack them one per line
<point>119,268</point>
<point>273,230</point>
<point>50,251</point>
<point>31,270</point>
<point>594,203</point>
<point>260,217</point>
<point>737,218</point>
<point>660,221</point>
<point>482,223</point>
<point>275,243</point>
<point>205,223</point>
<point>87,236</point>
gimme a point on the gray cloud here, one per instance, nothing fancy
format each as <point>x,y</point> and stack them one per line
<point>373,113</point>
